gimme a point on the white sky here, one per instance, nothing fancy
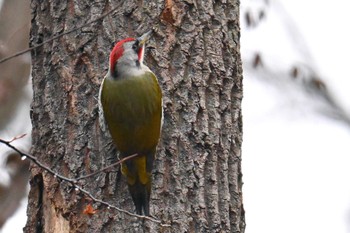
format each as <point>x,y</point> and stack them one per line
<point>325,26</point>
<point>296,163</point>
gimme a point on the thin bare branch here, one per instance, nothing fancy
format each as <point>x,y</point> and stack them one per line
<point>107,168</point>
<point>18,137</point>
<point>36,161</point>
<point>60,35</point>
<point>110,206</point>
<point>73,182</point>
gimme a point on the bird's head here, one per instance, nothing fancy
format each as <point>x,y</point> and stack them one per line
<point>127,56</point>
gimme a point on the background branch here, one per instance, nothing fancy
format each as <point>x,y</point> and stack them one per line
<point>73,181</point>
<point>60,35</point>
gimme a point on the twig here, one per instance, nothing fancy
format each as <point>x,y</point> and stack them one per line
<point>110,206</point>
<point>17,137</point>
<point>36,161</point>
<point>73,182</point>
<point>60,35</point>
<point>106,168</point>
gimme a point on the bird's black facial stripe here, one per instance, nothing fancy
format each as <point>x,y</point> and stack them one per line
<point>135,46</point>
<point>137,63</point>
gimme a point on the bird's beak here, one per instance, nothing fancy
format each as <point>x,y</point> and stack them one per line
<point>144,38</point>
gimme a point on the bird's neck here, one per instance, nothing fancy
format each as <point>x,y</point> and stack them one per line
<point>130,70</point>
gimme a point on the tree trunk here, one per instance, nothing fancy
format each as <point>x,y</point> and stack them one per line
<point>197,185</point>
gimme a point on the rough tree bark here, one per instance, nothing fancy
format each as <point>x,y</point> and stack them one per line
<point>197,185</point>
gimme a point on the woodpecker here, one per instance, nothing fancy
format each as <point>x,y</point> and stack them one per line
<point>131,106</point>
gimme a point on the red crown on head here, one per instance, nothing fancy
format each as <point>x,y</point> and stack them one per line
<point>117,52</point>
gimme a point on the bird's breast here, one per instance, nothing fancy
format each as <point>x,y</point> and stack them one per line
<point>133,109</point>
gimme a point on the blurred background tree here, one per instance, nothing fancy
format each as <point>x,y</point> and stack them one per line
<point>15,98</point>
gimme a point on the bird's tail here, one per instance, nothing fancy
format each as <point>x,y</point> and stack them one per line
<point>139,180</point>
<point>140,194</point>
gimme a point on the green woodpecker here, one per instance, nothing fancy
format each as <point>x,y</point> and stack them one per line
<point>131,102</point>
